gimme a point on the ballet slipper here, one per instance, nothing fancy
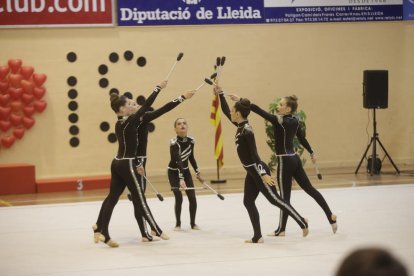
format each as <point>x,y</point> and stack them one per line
<point>112,243</point>
<point>154,239</point>
<point>276,234</point>
<point>195,227</point>
<point>305,230</point>
<point>334,225</point>
<point>162,236</point>
<point>97,237</point>
<point>258,241</point>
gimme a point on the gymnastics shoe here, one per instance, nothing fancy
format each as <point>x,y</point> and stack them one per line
<point>306,229</point>
<point>162,236</point>
<point>177,228</point>
<point>97,236</point>
<point>112,243</point>
<point>153,239</point>
<point>195,227</point>
<point>334,225</point>
<point>276,234</point>
<point>252,241</point>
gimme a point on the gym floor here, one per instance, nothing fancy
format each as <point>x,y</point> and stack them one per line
<point>50,234</point>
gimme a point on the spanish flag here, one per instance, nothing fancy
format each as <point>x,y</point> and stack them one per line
<point>215,119</point>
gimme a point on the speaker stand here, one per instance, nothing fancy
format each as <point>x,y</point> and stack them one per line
<point>373,142</point>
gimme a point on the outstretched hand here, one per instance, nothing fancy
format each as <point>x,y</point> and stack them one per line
<point>267,179</point>
<point>189,94</point>
<point>163,84</point>
<point>234,97</point>
<point>217,89</point>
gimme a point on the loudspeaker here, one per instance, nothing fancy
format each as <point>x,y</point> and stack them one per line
<point>375,89</point>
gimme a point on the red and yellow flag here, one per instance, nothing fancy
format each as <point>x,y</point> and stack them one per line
<point>215,119</point>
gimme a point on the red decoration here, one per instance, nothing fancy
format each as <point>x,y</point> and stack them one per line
<point>16,119</point>
<point>40,106</point>
<point>21,95</point>
<point>4,99</point>
<point>27,98</point>
<point>15,65</point>
<point>4,86</point>
<point>39,92</point>
<point>16,106</point>
<point>16,93</point>
<point>5,125</point>
<point>27,72</point>
<point>5,112</point>
<point>19,132</point>
<point>28,111</point>
<point>4,71</point>
<point>8,141</point>
<point>15,79</point>
<point>27,86</point>
<point>39,79</point>
<point>28,122</point>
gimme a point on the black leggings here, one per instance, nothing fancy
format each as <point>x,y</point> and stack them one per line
<point>291,167</point>
<point>123,174</point>
<point>253,184</point>
<point>175,183</point>
<point>139,217</point>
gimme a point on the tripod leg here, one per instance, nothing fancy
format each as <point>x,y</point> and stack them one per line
<point>364,155</point>
<point>389,157</point>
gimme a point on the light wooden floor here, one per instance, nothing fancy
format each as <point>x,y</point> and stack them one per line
<point>332,178</point>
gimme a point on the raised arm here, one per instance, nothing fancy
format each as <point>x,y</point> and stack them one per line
<point>223,103</point>
<point>152,115</point>
<point>144,108</point>
<point>264,114</point>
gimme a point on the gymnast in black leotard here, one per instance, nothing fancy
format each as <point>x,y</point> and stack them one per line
<point>258,174</point>
<point>142,155</point>
<point>286,127</point>
<point>179,175</point>
<point>123,167</point>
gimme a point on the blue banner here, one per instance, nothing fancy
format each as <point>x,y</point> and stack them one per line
<point>205,12</point>
<point>408,10</point>
<point>189,12</point>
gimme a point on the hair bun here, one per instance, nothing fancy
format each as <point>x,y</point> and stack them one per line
<point>294,97</point>
<point>113,97</point>
<point>245,102</point>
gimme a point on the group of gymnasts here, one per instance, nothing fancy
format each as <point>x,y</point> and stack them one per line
<point>128,167</point>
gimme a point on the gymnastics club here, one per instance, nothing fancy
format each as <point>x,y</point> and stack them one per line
<point>179,57</point>
<point>317,171</point>
<point>214,191</point>
<point>153,188</point>
<point>207,80</point>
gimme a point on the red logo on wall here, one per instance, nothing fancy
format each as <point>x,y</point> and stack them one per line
<point>39,13</point>
<point>21,93</point>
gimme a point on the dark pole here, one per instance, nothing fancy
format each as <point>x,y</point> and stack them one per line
<point>218,180</point>
<point>374,144</point>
